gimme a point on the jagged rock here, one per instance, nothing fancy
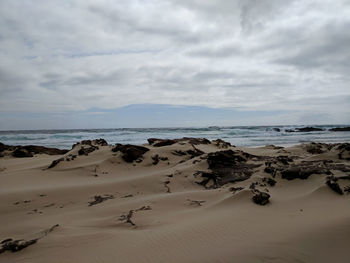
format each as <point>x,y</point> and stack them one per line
<point>314,148</point>
<point>160,142</point>
<point>305,129</point>
<point>347,189</point>
<point>289,130</point>
<point>273,147</point>
<point>332,183</point>
<point>227,167</point>
<point>100,142</point>
<point>55,162</point>
<point>221,143</point>
<point>2,147</point>
<point>20,153</point>
<point>155,159</point>
<point>308,129</point>
<point>269,181</point>
<point>165,142</point>
<point>344,151</point>
<point>301,172</point>
<point>260,198</point>
<point>340,129</point>
<point>193,153</point>
<point>130,152</point>
<point>86,150</point>
<point>43,150</point>
<point>30,150</point>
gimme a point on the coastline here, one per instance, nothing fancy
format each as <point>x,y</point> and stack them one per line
<point>179,200</point>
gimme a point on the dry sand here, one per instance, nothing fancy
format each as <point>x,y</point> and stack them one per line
<point>158,212</point>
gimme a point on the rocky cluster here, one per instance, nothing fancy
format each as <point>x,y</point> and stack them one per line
<point>28,150</point>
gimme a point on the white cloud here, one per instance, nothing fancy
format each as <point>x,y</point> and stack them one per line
<point>59,56</point>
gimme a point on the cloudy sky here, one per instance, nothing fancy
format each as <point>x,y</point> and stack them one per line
<point>77,64</point>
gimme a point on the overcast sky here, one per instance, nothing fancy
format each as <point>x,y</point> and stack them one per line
<point>60,58</point>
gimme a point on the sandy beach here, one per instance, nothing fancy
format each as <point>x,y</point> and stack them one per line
<point>184,200</point>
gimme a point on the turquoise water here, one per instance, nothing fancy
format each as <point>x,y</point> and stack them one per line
<point>251,136</point>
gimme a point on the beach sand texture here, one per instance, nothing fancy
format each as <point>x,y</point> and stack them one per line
<point>186,200</point>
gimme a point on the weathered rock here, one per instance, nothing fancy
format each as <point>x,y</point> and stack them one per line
<point>308,129</point>
<point>301,172</point>
<point>332,183</point>
<point>269,181</point>
<point>304,129</point>
<point>165,142</point>
<point>227,167</point>
<point>260,198</point>
<point>55,162</point>
<point>314,148</point>
<point>20,153</point>
<point>340,129</point>
<point>221,143</point>
<point>86,150</point>
<point>155,159</point>
<point>2,147</point>
<point>43,150</point>
<point>344,151</point>
<point>96,142</point>
<point>130,152</point>
<point>277,129</point>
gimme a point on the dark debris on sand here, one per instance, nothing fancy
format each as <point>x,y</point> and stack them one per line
<point>99,199</point>
<point>12,245</point>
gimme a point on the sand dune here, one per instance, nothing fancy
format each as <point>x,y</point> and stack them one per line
<point>185,200</point>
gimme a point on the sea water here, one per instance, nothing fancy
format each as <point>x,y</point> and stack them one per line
<point>250,136</point>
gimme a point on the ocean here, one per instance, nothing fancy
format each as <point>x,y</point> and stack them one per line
<point>250,136</point>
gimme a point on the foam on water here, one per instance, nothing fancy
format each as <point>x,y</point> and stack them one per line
<point>252,136</point>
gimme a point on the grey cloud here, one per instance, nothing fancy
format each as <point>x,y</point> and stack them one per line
<point>251,54</point>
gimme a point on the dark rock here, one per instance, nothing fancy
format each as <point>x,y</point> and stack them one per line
<point>261,198</point>
<point>2,147</point>
<point>308,129</point>
<point>155,159</point>
<point>130,152</point>
<point>277,129</point>
<point>289,130</point>
<point>221,143</point>
<point>284,159</point>
<point>43,150</point>
<point>165,142</point>
<point>86,150</point>
<point>235,189</point>
<point>269,181</point>
<point>20,153</point>
<point>347,189</point>
<point>227,167</point>
<point>314,148</point>
<point>332,183</point>
<point>160,142</point>
<point>301,172</point>
<point>55,162</point>
<point>344,151</point>
<point>100,142</point>
<point>340,129</point>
